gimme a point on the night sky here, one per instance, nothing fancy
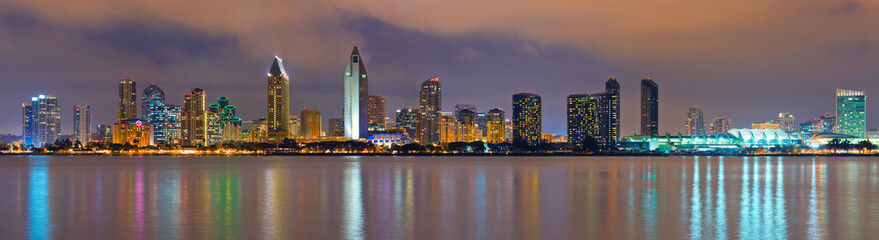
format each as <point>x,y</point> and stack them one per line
<point>747,60</point>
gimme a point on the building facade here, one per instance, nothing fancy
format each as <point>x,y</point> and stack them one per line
<point>720,125</point>
<point>429,106</point>
<point>649,108</point>
<point>465,126</point>
<point>194,122</point>
<point>447,127</point>
<point>695,125</point>
<point>787,121</point>
<point>527,118</point>
<point>407,118</point>
<point>376,113</point>
<point>82,124</point>
<point>278,86</point>
<point>153,97</point>
<point>495,126</point>
<point>851,112</point>
<point>337,127</point>
<point>166,121</point>
<point>356,115</point>
<point>42,120</point>
<point>309,124</point>
<point>127,106</point>
<point>134,132</point>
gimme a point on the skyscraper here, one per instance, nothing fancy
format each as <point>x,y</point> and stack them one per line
<point>41,120</point>
<point>407,118</point>
<point>595,116</point>
<point>356,97</point>
<point>720,125</point>
<point>447,127</point>
<point>649,108</point>
<point>787,122</point>
<point>310,124</point>
<point>194,122</point>
<point>851,112</point>
<point>278,121</point>
<point>127,105</point>
<point>465,125</point>
<point>429,105</point>
<point>213,125</point>
<point>376,113</point>
<point>695,125</point>
<point>166,120</point>
<point>153,97</point>
<point>527,118</point>
<point>337,127</point>
<point>82,124</point>
<point>495,126</point>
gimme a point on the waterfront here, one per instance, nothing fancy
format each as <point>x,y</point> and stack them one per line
<point>439,197</point>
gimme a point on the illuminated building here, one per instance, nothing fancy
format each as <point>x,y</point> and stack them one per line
<point>765,125</point>
<point>733,141</point>
<point>127,105</point>
<point>213,125</point>
<point>464,125</point>
<point>649,107</point>
<point>527,118</point>
<point>134,132</point>
<point>310,124</point>
<point>720,125</point>
<point>481,128</point>
<point>459,107</point>
<point>447,127</point>
<point>429,106</point>
<point>294,126</point>
<point>388,137</point>
<point>41,120</point>
<point>278,121</point>
<point>787,122</point>
<point>355,114</point>
<point>104,133</point>
<point>851,112</point>
<point>695,125</point>
<point>376,113</point>
<point>824,123</point>
<point>406,118</point>
<point>166,120</point>
<point>337,127</point>
<point>82,124</point>
<point>232,130</point>
<point>495,126</point>
<point>194,129</point>
<point>508,130</point>
<point>257,131</point>
<point>230,124</point>
<point>595,116</point>
<point>153,97</point>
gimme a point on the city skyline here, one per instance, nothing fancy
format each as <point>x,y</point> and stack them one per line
<point>478,65</point>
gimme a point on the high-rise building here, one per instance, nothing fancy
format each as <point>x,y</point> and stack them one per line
<point>595,116</point>
<point>133,131</point>
<point>459,107</point>
<point>429,106</point>
<point>42,120</point>
<point>481,126</point>
<point>82,124</point>
<point>166,121</point>
<point>295,124</point>
<point>465,126</point>
<point>376,113</point>
<point>527,118</point>
<point>194,122</point>
<point>447,127</point>
<point>824,123</point>
<point>356,97</point>
<point>153,97</point>
<point>278,121</point>
<point>495,126</point>
<point>695,125</point>
<point>407,118</point>
<point>720,125</point>
<point>851,112</point>
<point>649,108</point>
<point>337,127</point>
<point>787,122</point>
<point>213,125</point>
<point>310,124</point>
<point>230,124</point>
<point>127,105</point>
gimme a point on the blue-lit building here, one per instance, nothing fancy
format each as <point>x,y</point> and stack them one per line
<point>41,120</point>
<point>734,139</point>
<point>165,119</point>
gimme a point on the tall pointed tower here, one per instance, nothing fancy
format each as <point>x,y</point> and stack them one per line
<point>279,102</point>
<point>356,97</point>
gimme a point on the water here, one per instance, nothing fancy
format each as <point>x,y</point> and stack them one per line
<point>438,198</point>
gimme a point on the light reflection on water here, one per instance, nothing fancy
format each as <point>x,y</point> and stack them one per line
<point>439,198</point>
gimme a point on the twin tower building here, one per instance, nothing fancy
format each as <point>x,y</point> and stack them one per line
<point>355,118</point>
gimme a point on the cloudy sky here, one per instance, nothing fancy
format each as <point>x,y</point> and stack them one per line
<point>745,59</point>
